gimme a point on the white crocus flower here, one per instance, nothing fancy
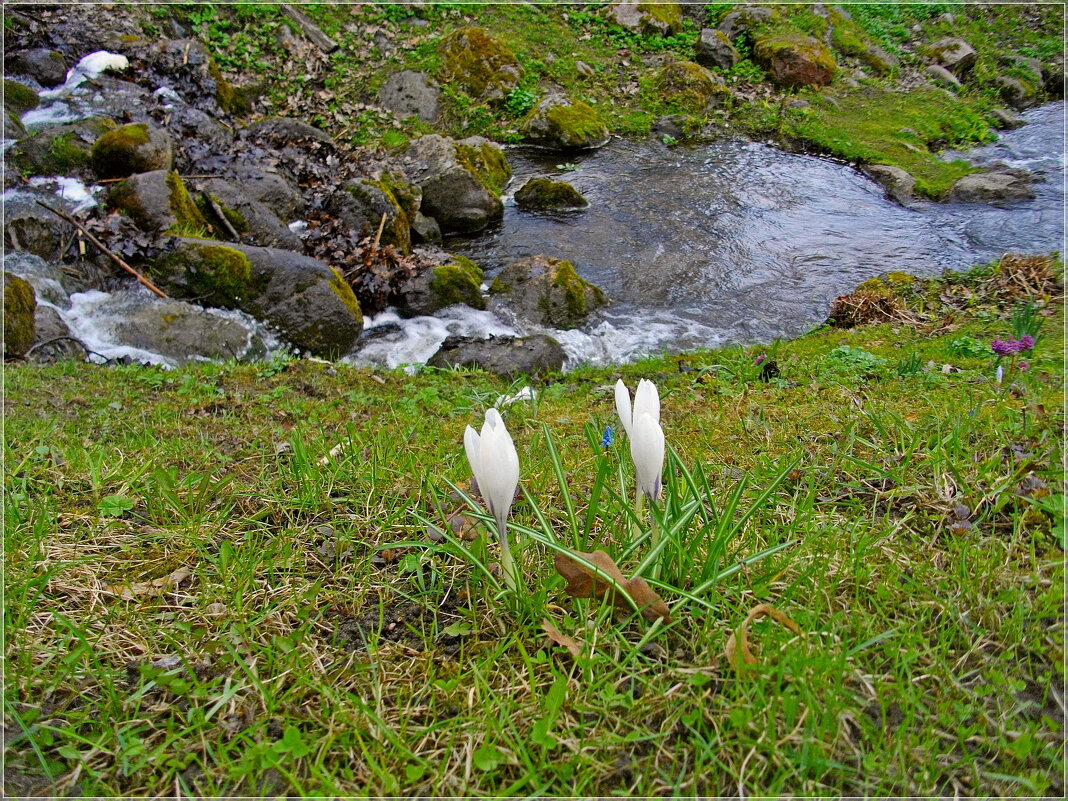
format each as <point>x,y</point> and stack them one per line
<point>495,464</point>
<point>646,400</point>
<point>647,451</point>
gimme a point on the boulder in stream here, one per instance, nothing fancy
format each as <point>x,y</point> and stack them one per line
<point>897,182</point>
<point>458,280</point>
<point>545,194</point>
<point>997,187</point>
<point>159,201</point>
<point>47,67</point>
<point>555,121</point>
<point>507,357</point>
<point>461,181</point>
<point>19,98</point>
<point>547,291</point>
<point>130,149</point>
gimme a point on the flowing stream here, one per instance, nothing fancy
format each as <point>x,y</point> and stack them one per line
<point>739,242</point>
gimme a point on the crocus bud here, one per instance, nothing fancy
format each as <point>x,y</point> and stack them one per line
<point>495,464</point>
<point>647,451</point>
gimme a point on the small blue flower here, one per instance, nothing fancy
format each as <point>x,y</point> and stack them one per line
<point>609,437</point>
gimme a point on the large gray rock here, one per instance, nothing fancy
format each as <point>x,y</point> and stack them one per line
<point>178,331</point>
<point>545,194</point>
<point>744,19</point>
<point>555,121</point>
<point>283,132</point>
<point>457,280</point>
<point>996,188</point>
<point>648,18</point>
<point>53,341</point>
<point>158,201</point>
<point>461,181</point>
<point>306,301</point>
<point>714,49</point>
<point>794,60</point>
<point>1015,92</point>
<point>134,148</point>
<point>263,182</point>
<point>59,149</point>
<point>409,93</point>
<point>1006,120</point>
<point>19,307</point>
<point>547,291</point>
<point>502,356</point>
<point>252,220</point>
<point>897,182</point>
<point>45,66</point>
<point>941,75</point>
<point>956,55</point>
<point>13,127</point>
<point>33,229</point>
<point>46,278</point>
<point>362,202</point>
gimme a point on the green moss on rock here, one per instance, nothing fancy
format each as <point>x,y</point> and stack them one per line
<point>480,63</point>
<point>459,281</point>
<point>794,59</point>
<point>345,294</point>
<point>575,125</point>
<point>18,98</point>
<point>213,274</point>
<point>545,194</point>
<point>20,303</point>
<point>575,290</point>
<point>487,163</point>
<point>188,219</point>
<point>114,154</point>
<point>669,14</point>
<point>231,99</point>
<point>688,87</point>
<point>236,219</point>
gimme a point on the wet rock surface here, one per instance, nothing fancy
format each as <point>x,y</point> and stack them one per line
<point>503,356</point>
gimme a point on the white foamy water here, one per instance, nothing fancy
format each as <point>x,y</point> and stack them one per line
<point>70,189</point>
<point>58,106</point>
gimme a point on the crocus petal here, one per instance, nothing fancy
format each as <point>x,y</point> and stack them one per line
<point>623,405</point>
<point>647,400</point>
<point>498,473</point>
<point>647,451</point>
<point>471,447</point>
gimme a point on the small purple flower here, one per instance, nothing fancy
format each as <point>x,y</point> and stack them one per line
<point>1002,348</point>
<point>760,359</point>
<point>1022,365</point>
<point>1025,343</point>
<point>609,437</point>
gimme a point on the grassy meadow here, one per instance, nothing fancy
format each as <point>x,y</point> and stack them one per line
<point>273,579</point>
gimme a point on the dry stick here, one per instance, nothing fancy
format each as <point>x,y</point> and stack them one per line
<point>140,278</point>
<point>218,213</point>
<point>378,236</point>
<point>183,177</point>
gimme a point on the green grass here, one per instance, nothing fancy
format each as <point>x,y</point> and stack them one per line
<point>333,637</point>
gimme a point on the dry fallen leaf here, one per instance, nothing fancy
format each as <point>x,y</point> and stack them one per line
<point>582,582</point>
<point>158,586</point>
<point>573,646</point>
<point>737,650</point>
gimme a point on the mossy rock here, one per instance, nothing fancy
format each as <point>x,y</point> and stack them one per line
<point>232,99</point>
<point>480,63</point>
<point>345,294</point>
<point>19,98</point>
<point>213,274</point>
<point>848,38</point>
<point>60,149</point>
<point>891,284</point>
<point>688,87</point>
<point>486,162</point>
<point>547,291</point>
<point>20,304</point>
<point>794,59</point>
<point>566,124</point>
<point>661,19</point>
<point>545,194</point>
<point>460,181</point>
<point>458,281</point>
<point>131,149</point>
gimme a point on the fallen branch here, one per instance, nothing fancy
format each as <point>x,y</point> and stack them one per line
<point>378,237</point>
<point>218,213</point>
<point>140,278</point>
<point>309,29</point>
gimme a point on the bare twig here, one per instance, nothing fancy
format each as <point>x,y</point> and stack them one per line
<point>183,177</point>
<point>378,237</point>
<point>140,278</point>
<point>59,339</point>
<point>217,211</point>
<point>309,29</point>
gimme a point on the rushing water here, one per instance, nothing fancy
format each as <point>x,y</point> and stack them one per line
<point>738,241</point>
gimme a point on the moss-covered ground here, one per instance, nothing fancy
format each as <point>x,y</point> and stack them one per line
<point>240,579</point>
<point>551,43</point>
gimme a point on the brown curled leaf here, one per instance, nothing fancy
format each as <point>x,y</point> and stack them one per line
<point>573,646</point>
<point>158,586</point>
<point>737,650</point>
<point>582,582</point>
